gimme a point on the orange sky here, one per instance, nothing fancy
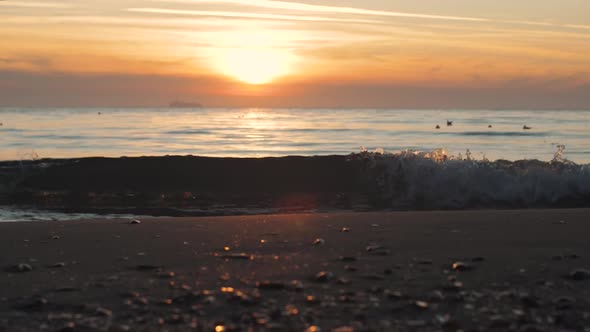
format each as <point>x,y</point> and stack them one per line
<point>355,53</point>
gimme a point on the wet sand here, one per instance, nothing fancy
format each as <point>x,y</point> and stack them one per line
<point>519,270</point>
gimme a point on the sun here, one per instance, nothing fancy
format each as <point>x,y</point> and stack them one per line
<point>254,65</point>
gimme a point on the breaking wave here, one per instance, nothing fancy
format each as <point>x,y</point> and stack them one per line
<point>435,180</point>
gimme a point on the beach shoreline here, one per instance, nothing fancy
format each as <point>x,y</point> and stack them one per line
<point>190,186</point>
<point>514,270</point>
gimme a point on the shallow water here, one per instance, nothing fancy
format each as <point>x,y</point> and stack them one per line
<point>60,133</point>
<point>15,214</point>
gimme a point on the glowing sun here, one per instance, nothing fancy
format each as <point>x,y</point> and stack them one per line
<point>254,65</point>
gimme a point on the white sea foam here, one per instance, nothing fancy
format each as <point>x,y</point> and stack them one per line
<point>435,180</point>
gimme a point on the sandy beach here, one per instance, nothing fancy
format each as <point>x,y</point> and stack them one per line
<point>518,270</point>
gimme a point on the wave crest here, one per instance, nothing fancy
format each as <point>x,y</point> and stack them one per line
<point>435,180</point>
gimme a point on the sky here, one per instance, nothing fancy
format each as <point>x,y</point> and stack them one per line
<point>440,54</point>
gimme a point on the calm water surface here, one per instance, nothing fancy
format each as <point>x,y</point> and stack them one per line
<point>58,133</point>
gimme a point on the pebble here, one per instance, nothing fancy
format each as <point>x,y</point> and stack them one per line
<point>58,265</point>
<point>422,304</point>
<point>35,304</point>
<point>453,286</point>
<point>374,247</point>
<point>345,230</point>
<point>564,302</point>
<point>319,242</point>
<point>297,285</point>
<point>343,281</point>
<point>104,312</point>
<point>377,250</point>
<point>447,322</point>
<point>166,275</point>
<point>310,299</point>
<point>238,256</point>
<point>437,296</point>
<point>347,258</point>
<point>23,267</point>
<point>350,268</point>
<point>56,237</point>
<point>70,326</point>
<point>579,274</point>
<point>394,295</point>
<point>461,266</point>
<point>135,222</point>
<point>324,276</point>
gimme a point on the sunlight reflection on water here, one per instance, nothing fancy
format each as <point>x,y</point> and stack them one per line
<point>57,133</point>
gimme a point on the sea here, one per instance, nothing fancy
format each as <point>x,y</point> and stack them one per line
<point>491,141</point>
<point>29,133</point>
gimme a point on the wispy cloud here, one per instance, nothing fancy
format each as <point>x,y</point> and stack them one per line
<point>303,7</point>
<point>285,5</point>
<point>34,4</point>
<point>247,15</point>
<point>548,24</point>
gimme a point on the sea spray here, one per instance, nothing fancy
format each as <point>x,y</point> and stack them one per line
<point>435,180</point>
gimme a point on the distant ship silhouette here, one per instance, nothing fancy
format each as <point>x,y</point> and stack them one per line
<point>185,104</point>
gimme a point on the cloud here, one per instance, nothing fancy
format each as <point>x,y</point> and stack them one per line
<point>34,4</point>
<point>62,89</point>
<point>285,5</point>
<point>303,7</point>
<point>25,62</point>
<point>247,15</point>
